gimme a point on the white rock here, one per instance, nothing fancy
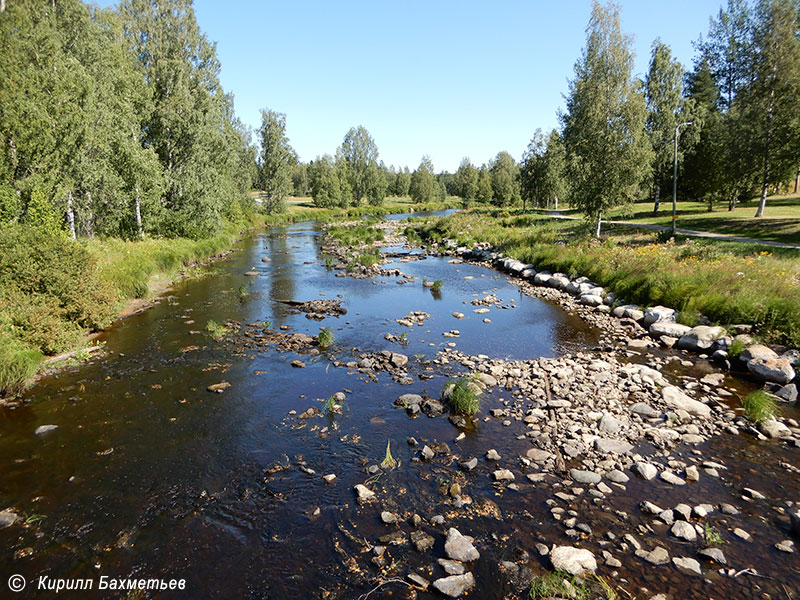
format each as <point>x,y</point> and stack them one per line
<point>677,399</point>
<point>573,560</point>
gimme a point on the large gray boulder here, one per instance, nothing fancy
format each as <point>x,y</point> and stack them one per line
<point>573,560</point>
<point>675,398</point>
<point>700,338</point>
<point>776,370</point>
<point>669,328</point>
<point>542,278</point>
<point>628,311</point>
<point>658,313</point>
<point>459,548</point>
<point>757,351</point>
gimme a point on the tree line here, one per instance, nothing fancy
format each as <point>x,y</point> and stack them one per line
<point>113,122</point>
<point>733,120</point>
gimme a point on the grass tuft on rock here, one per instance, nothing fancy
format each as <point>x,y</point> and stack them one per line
<point>18,365</point>
<point>325,338</point>
<point>760,406</point>
<point>463,396</point>
<point>558,585</point>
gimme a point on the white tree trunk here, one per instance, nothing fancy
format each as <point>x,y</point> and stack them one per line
<point>70,216</point>
<point>138,214</point>
<point>599,221</point>
<point>658,199</point>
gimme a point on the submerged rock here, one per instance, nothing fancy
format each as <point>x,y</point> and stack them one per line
<point>459,547</point>
<point>455,585</point>
<point>573,560</point>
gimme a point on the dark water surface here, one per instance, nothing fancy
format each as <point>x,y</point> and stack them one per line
<point>151,475</point>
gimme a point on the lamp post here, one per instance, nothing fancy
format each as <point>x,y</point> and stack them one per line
<point>675,178</point>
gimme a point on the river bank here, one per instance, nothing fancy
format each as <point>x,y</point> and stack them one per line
<point>343,468</point>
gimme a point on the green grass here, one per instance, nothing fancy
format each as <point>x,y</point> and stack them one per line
<point>736,348</point>
<point>437,285</point>
<point>325,338</point>
<point>18,365</point>
<point>727,282</point>
<point>558,585</point>
<point>216,330</point>
<point>712,536</point>
<point>356,236</point>
<point>389,461</point>
<point>368,258</point>
<point>760,406</point>
<point>461,396</point>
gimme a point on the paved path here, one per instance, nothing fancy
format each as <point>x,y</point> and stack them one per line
<point>690,232</point>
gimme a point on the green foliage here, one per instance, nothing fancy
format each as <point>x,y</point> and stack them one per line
<point>466,181</point>
<point>325,338</point>
<point>40,212</point>
<point>10,206</point>
<point>243,293</point>
<point>360,155</point>
<point>369,258</point>
<point>389,462</point>
<point>18,364</point>
<point>558,585</point>
<point>760,406</point>
<point>437,285</point>
<point>542,172</point>
<point>277,159</point>
<point>608,153</point>
<point>216,330</point>
<point>462,397</point>
<point>736,348</point>
<point>357,235</point>
<point>505,180</point>
<point>423,185</point>
<point>712,536</point>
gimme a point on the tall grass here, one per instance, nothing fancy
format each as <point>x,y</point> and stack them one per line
<point>727,282</point>
<point>462,396</point>
<point>18,365</point>
<point>759,406</point>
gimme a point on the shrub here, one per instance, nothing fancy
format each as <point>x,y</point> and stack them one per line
<point>759,406</point>
<point>462,395</point>
<point>325,338</point>
<point>437,285</point>
<point>18,365</point>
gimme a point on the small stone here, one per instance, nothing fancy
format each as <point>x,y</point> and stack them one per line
<point>7,518</point>
<point>692,474</point>
<point>42,429</point>
<point>388,517</point>
<point>657,556</point>
<point>785,546</point>
<point>573,560</point>
<point>671,478</point>
<point>329,478</point>
<point>645,470</point>
<point>421,540</point>
<point>427,453</point>
<point>503,475</point>
<point>585,477</point>
<point>363,493</point>
<point>455,585</point>
<point>687,565</point>
<point>492,455</point>
<point>458,547</point>
<point>419,580</point>
<point>451,567</point>
<point>684,531</point>
<point>742,534</point>
<point>298,364</point>
<point>617,476</point>
<point>714,555</point>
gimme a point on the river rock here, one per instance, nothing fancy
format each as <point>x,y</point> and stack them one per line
<point>298,364</point>
<point>609,424</point>
<point>658,313</point>
<point>610,446</point>
<point>503,475</point>
<point>677,399</point>
<point>668,328</point>
<point>617,476</point>
<point>757,351</point>
<point>773,428</point>
<point>573,560</point>
<point>455,585</point>
<point>713,554</point>
<point>492,455</point>
<point>399,360</point>
<point>645,410</point>
<point>538,455</point>
<point>591,300</point>
<point>684,531</point>
<point>459,547</point>
<point>687,565</point>
<point>421,540</point>
<point>794,517</point>
<point>628,311</point>
<point>363,493</point>
<point>776,370</point>
<point>787,393</point>
<point>451,567</point>
<point>7,518</point>
<point>42,429</point>
<point>407,400</point>
<point>700,338</point>
<point>469,464</point>
<point>584,476</point>
<point>645,470</point>
<point>657,556</point>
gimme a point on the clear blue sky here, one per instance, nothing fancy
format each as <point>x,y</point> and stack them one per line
<point>444,78</point>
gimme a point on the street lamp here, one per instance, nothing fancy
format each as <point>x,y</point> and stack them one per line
<point>675,178</point>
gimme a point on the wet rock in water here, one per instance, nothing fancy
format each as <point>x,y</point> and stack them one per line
<point>396,538</point>
<point>645,470</point>
<point>363,493</point>
<point>468,464</point>
<point>310,413</point>
<point>671,478</point>
<point>251,274</point>
<point>388,517</point>
<point>675,398</point>
<point>407,400</point>
<point>684,531</point>
<point>692,473</point>
<point>298,364</point>
<point>7,518</point>
<point>42,429</point>
<point>742,534</point>
<point>774,429</point>
<point>584,476</point>
<point>538,455</point>
<point>398,360</point>
<point>421,540</point>
<point>458,315</point>
<point>317,309</point>
<point>785,546</point>
<point>432,408</point>
<point>607,446</point>
<point>419,580</point>
<point>427,453</point>
<point>687,565</point>
<point>329,478</point>
<point>492,455</point>
<point>714,555</point>
<point>459,547</point>
<point>757,352</point>
<point>657,556</point>
<point>776,370</point>
<point>451,567</point>
<point>454,586</point>
<point>617,476</point>
<point>573,560</point>
<point>650,508</point>
<point>794,517</point>
<point>787,393</point>
<point>503,475</point>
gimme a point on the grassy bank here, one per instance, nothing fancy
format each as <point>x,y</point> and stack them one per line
<point>54,291</point>
<point>727,282</point>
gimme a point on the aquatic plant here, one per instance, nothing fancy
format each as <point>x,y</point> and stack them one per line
<point>736,348</point>
<point>216,330</point>
<point>325,338</point>
<point>244,293</point>
<point>558,585</point>
<point>437,285</point>
<point>389,462</point>
<point>330,405</point>
<point>712,536</point>
<point>462,395</point>
<point>759,406</point>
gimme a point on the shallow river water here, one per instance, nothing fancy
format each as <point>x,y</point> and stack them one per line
<point>150,475</point>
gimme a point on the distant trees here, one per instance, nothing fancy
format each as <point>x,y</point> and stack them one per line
<point>275,168</point>
<point>423,187</point>
<point>608,154</point>
<point>115,119</point>
<point>402,182</point>
<point>466,181</point>
<point>324,181</point>
<point>360,154</point>
<point>542,172</point>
